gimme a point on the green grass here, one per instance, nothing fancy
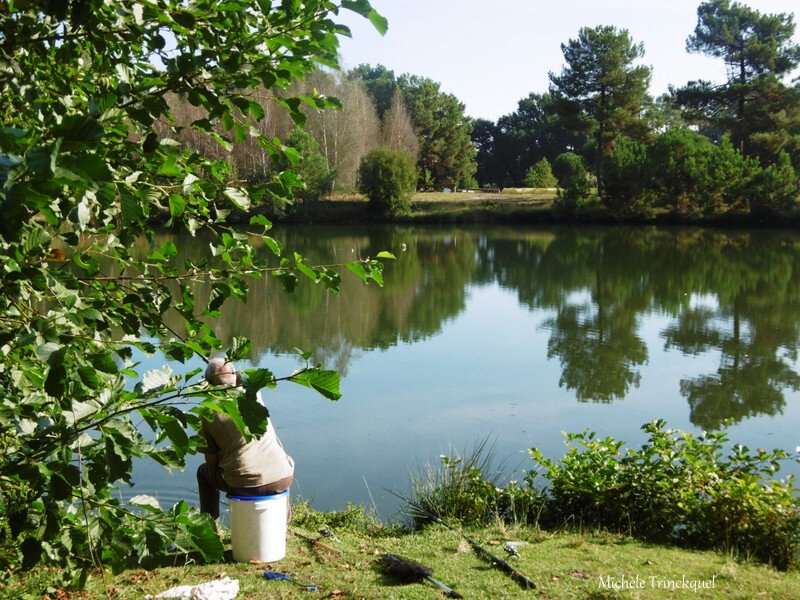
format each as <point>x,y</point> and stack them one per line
<point>433,207</point>
<point>563,564</point>
<point>512,205</point>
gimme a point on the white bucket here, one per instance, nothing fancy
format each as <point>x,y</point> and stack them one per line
<point>258,527</point>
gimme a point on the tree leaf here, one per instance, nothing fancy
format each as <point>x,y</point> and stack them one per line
<point>55,383</point>
<point>36,238</point>
<point>325,382</point>
<point>379,22</point>
<point>103,362</point>
<point>79,128</point>
<point>169,167</point>
<point>273,245</point>
<point>240,348</point>
<point>156,379</point>
<point>261,220</point>
<point>358,270</point>
<point>239,197</point>
<point>89,377</point>
<point>176,205</point>
<point>253,413</point>
<point>147,502</point>
<point>255,379</point>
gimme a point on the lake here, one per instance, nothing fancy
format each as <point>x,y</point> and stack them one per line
<point>516,335</point>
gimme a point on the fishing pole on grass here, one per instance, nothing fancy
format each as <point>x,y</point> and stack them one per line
<point>316,542</point>
<point>418,510</point>
<point>409,571</point>
<point>520,578</point>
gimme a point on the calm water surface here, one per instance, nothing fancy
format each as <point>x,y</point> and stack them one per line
<point>516,334</point>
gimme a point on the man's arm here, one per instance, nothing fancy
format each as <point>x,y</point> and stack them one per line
<point>211,459</point>
<point>211,451</point>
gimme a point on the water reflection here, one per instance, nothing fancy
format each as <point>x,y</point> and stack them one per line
<point>736,294</point>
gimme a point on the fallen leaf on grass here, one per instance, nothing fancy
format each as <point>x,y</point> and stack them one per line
<point>463,547</point>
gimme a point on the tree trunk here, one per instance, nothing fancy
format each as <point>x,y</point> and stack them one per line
<point>600,150</point>
<point>740,108</point>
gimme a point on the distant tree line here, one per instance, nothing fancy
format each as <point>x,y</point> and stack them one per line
<point>408,115</point>
<point>596,133</point>
<point>704,147</point>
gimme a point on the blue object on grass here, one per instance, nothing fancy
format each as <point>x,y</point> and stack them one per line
<point>275,576</point>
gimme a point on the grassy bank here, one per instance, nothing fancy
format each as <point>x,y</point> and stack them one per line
<point>564,564</point>
<point>521,205</point>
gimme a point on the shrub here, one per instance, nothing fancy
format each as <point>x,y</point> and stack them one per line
<point>678,487</point>
<point>467,488</point>
<point>353,518</point>
<point>540,175</point>
<point>625,178</point>
<point>468,183</point>
<point>387,178</point>
<point>680,163</point>
<point>774,188</point>
<point>731,173</point>
<point>570,170</point>
<point>691,173</point>
<point>426,179</point>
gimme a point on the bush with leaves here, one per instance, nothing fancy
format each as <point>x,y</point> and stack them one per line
<point>626,179</point>
<point>678,487</point>
<point>387,177</point>
<point>681,488</point>
<point>681,170</point>
<point>540,175</point>
<point>469,183</point>
<point>468,487</point>
<point>570,170</point>
<point>690,173</point>
<point>774,189</point>
<point>83,175</point>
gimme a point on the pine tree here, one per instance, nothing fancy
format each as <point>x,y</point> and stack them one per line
<point>600,92</point>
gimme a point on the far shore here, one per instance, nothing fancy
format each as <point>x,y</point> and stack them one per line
<point>510,206</point>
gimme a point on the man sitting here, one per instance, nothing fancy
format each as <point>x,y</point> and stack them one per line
<point>260,467</point>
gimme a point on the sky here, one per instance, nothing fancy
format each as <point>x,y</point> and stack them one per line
<point>491,54</point>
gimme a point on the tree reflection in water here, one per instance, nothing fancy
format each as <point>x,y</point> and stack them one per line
<point>733,293</point>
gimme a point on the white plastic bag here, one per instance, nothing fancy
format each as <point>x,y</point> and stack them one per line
<point>219,589</point>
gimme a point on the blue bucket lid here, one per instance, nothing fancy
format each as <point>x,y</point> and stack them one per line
<point>257,498</point>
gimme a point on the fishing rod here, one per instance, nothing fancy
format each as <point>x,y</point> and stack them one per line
<point>418,510</point>
<point>525,581</point>
<point>316,542</point>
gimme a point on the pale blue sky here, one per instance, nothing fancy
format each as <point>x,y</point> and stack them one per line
<point>490,54</point>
